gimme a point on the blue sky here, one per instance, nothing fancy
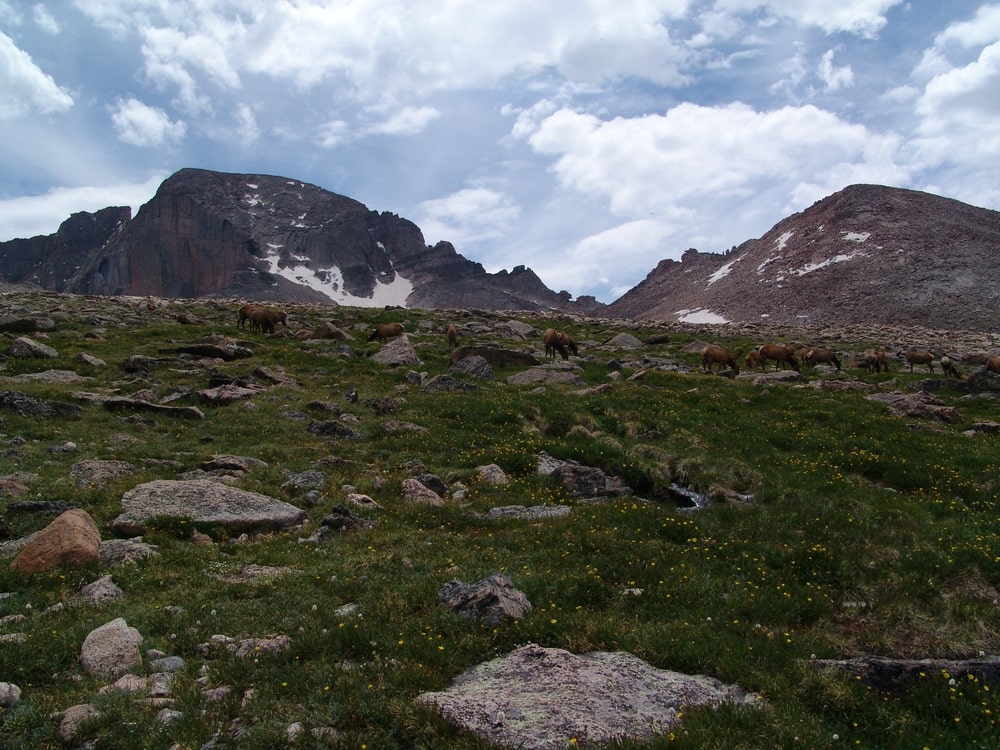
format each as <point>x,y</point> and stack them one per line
<point>587,140</point>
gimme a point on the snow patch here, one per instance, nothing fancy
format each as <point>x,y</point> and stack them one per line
<point>842,258</point>
<point>779,244</point>
<point>252,186</point>
<point>700,315</point>
<point>330,282</point>
<point>723,272</point>
<point>856,236</point>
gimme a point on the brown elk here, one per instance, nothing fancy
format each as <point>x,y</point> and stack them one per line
<point>263,320</point>
<point>780,353</point>
<point>913,357</point>
<point>875,361</point>
<point>558,341</point>
<point>716,355</point>
<point>993,365</point>
<point>386,331</point>
<point>753,360</point>
<point>244,315</point>
<point>827,356</point>
<point>948,367</point>
<point>452,334</point>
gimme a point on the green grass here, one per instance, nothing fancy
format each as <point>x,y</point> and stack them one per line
<point>865,535</point>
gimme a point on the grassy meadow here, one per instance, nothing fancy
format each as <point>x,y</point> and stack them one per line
<point>838,530</point>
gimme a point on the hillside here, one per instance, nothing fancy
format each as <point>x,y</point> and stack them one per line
<point>313,539</point>
<point>867,254</point>
<point>263,237</point>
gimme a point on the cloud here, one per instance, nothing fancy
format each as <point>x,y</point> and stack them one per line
<point>408,121</point>
<point>44,20</point>
<point>141,125</point>
<point>24,87</point>
<point>246,126</point>
<point>863,18</point>
<point>30,216</point>
<point>835,78</point>
<point>468,215</point>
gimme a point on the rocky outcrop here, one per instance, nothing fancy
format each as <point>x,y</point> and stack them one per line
<point>264,237</point>
<point>867,254</point>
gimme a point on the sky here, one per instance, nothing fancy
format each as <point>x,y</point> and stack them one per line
<point>587,140</point>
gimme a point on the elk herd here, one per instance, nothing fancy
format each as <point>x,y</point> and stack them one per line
<point>713,358</point>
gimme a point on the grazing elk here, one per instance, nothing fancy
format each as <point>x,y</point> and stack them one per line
<point>244,315</point>
<point>913,357</point>
<point>826,356</point>
<point>753,360</point>
<point>452,334</point>
<point>876,361</point>
<point>948,367</point>
<point>993,365</point>
<point>385,331</point>
<point>558,341</point>
<point>716,355</point>
<point>263,320</point>
<point>780,353</point>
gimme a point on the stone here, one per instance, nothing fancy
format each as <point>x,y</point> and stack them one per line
<point>9,694</point>
<point>490,600</point>
<point>111,650</point>
<point>71,540</point>
<point>101,591</point>
<point>72,719</point>
<point>537,375</point>
<point>491,474</point>
<point>29,406</point>
<point>396,352</point>
<point>625,341</point>
<point>445,383</point>
<point>207,502</point>
<point>98,473</point>
<point>476,366</point>
<point>414,491</point>
<point>115,552</point>
<point>537,698</point>
<point>27,348</point>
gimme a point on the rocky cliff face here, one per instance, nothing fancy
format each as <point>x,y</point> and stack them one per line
<point>867,254</point>
<point>261,237</point>
<point>50,261</point>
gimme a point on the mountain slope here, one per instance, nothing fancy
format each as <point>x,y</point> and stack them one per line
<point>866,254</point>
<point>213,234</point>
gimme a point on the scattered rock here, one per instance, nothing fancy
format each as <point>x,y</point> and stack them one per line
<point>29,406</point>
<point>117,552</point>
<point>101,591</point>
<point>476,366</point>
<point>207,502</point>
<point>396,352</point>
<point>491,474</point>
<point>489,600</point>
<point>111,650</point>
<point>529,513</point>
<point>537,375</point>
<point>445,383</point>
<point>415,492</point>
<point>538,698</point>
<point>921,405</point>
<point>27,348</point>
<point>9,694</point>
<point>625,341</point>
<point>72,720</point>
<point>98,473</point>
<point>584,482</point>
<point>496,357</point>
<point>71,540</point>
<point>26,325</point>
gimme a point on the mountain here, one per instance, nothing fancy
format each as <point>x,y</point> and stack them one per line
<point>262,237</point>
<point>866,254</point>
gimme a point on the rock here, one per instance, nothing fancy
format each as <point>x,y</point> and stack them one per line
<point>29,406</point>
<point>656,339</point>
<point>362,501</point>
<point>489,600</point>
<point>919,405</point>
<point>229,393</point>
<point>415,492</point>
<point>887,674</point>
<point>71,540</point>
<point>72,719</point>
<point>116,552</point>
<point>95,472</point>
<point>9,694</point>
<point>333,429</point>
<point>43,507</point>
<point>476,366</point>
<point>445,383</point>
<point>91,360</point>
<point>311,479</point>
<point>546,377</point>
<point>226,351</point>
<point>538,698</point>
<point>434,483</point>
<point>328,331</point>
<point>250,647</point>
<point>581,481</point>
<point>519,329</point>
<point>26,325</point>
<point>342,518</point>
<point>491,474</point>
<point>207,502</point>
<point>26,348</point>
<point>119,403</point>
<point>529,513</point>
<point>111,650</point>
<point>396,352</point>
<point>495,356</point>
<point>101,591</point>
<point>625,341</point>
<point>226,462</point>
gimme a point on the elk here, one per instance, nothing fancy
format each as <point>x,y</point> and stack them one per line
<point>264,320</point>
<point>385,331</point>
<point>812,356</point>
<point>716,355</point>
<point>558,341</point>
<point>780,354</point>
<point>452,334</point>
<point>913,357</point>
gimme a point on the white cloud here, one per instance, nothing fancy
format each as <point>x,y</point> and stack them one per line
<point>333,133</point>
<point>30,216</point>
<point>835,78</point>
<point>246,125</point>
<point>44,20</point>
<point>408,121</point>
<point>24,87</point>
<point>468,215</point>
<point>141,125</point>
<point>864,18</point>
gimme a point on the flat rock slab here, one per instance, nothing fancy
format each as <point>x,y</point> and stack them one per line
<point>204,501</point>
<point>539,698</point>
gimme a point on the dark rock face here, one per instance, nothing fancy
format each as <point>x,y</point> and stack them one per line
<point>268,238</point>
<point>867,254</point>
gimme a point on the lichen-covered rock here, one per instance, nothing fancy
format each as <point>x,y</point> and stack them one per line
<point>489,600</point>
<point>112,649</point>
<point>71,540</point>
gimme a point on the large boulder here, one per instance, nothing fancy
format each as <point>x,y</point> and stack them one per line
<point>538,698</point>
<point>27,348</point>
<point>489,600</point>
<point>111,650</point>
<point>71,540</point>
<point>396,352</point>
<point>207,502</point>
